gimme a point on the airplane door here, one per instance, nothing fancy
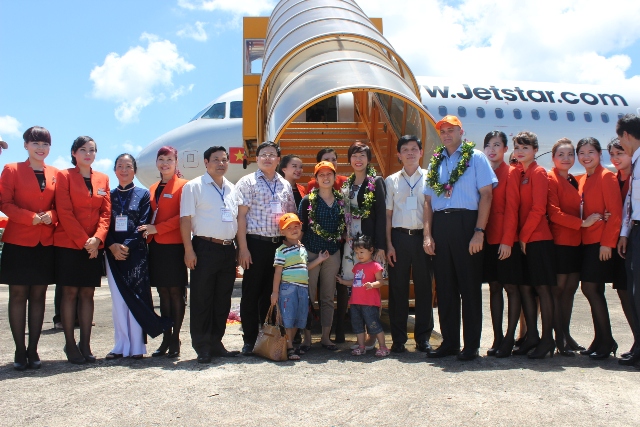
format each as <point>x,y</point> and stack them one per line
<point>191,159</point>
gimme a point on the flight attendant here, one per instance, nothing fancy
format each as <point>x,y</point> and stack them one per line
<point>563,209</point>
<point>290,168</point>
<point>167,269</point>
<point>84,211</point>
<point>28,190</point>
<point>502,256</point>
<point>600,193</point>
<point>536,243</point>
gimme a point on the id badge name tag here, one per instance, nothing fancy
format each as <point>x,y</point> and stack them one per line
<point>412,203</point>
<point>121,223</point>
<point>227,216</point>
<point>276,208</point>
<point>153,218</point>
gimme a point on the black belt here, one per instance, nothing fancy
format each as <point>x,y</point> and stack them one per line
<point>277,239</point>
<point>409,231</point>
<point>451,210</point>
<point>224,242</point>
<point>635,222</point>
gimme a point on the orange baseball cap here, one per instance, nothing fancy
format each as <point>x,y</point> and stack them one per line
<point>452,120</point>
<point>322,165</point>
<point>288,219</point>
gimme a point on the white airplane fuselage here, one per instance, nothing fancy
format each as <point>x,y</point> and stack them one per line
<point>507,106</point>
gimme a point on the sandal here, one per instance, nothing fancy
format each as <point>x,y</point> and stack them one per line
<point>382,352</point>
<point>291,354</point>
<point>360,351</point>
<point>330,347</point>
<point>112,356</point>
<point>367,347</point>
<point>305,348</point>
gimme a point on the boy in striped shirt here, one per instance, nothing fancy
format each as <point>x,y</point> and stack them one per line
<point>291,279</point>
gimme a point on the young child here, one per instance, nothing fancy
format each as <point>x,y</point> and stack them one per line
<point>365,296</point>
<point>291,279</point>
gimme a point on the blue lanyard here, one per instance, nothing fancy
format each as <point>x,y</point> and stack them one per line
<point>221,194</point>
<point>411,187</point>
<point>126,200</point>
<point>275,186</point>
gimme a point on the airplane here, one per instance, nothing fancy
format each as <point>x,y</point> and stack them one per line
<point>551,110</point>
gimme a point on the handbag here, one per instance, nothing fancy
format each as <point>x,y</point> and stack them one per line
<point>272,339</point>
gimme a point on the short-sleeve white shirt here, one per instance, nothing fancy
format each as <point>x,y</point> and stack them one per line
<point>398,189</point>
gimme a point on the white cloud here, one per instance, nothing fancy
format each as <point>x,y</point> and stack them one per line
<point>132,149</point>
<point>103,165</point>
<point>62,163</point>
<point>546,40</point>
<point>9,126</point>
<point>195,32</point>
<point>239,7</point>
<point>139,77</point>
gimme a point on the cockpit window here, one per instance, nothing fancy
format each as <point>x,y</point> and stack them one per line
<point>197,116</point>
<point>216,111</point>
<point>235,110</point>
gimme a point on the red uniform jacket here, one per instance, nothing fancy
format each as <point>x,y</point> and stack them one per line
<point>337,185</point>
<point>503,219</point>
<point>22,200</point>
<point>600,192</point>
<point>167,216</point>
<point>534,189</point>
<point>563,208</point>
<point>80,214</point>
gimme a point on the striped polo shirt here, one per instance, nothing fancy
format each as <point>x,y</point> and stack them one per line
<point>293,259</point>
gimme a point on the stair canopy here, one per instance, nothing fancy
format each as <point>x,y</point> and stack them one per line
<point>316,49</point>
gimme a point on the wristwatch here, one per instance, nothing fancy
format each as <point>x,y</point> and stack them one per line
<point>479,229</point>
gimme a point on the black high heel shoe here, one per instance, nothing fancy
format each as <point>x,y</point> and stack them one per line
<point>80,360</point>
<point>164,346</point>
<point>174,352</point>
<point>34,360</point>
<point>20,362</point>
<point>520,341</point>
<point>591,349</point>
<point>89,357</point>
<point>565,351</point>
<point>540,352</point>
<point>573,345</point>
<point>525,347</point>
<point>506,347</point>
<point>599,355</point>
<point>494,348</point>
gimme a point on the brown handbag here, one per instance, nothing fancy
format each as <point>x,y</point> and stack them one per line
<point>272,339</point>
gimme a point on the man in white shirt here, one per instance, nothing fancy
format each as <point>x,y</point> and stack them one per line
<point>628,130</point>
<point>208,210</point>
<point>405,204</point>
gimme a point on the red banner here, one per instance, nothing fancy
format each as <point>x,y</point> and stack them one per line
<point>236,154</point>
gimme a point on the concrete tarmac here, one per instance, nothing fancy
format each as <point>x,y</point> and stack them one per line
<point>324,388</point>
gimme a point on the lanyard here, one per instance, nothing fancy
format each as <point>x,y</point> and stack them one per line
<point>218,191</point>
<point>411,187</point>
<point>122,205</point>
<point>275,186</point>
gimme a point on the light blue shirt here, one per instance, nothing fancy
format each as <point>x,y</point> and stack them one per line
<point>465,193</point>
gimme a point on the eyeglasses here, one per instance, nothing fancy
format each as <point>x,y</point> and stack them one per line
<point>268,156</point>
<point>354,191</point>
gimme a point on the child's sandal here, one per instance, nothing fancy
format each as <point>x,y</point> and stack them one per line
<point>361,350</point>
<point>291,354</point>
<point>382,352</point>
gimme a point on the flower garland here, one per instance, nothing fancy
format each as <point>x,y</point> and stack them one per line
<point>316,227</point>
<point>433,176</point>
<point>369,196</point>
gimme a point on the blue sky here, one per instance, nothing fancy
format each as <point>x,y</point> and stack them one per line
<point>125,72</point>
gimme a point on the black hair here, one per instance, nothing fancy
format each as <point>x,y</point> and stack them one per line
<point>209,151</point>
<point>359,147</point>
<point>488,137</point>
<point>284,162</point>
<point>526,138</point>
<point>589,141</point>
<point>35,134</point>
<point>559,143</point>
<point>614,143</point>
<point>629,123</point>
<point>267,144</point>
<point>79,143</point>
<point>362,241</point>
<point>323,152</point>
<point>407,139</point>
<point>133,160</point>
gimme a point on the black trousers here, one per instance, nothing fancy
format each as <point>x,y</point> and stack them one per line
<point>633,281</point>
<point>211,288</point>
<point>257,285</point>
<point>458,276</point>
<point>410,257</point>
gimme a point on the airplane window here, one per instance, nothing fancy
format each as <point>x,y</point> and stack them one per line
<point>620,115</point>
<point>535,114</point>
<point>499,113</point>
<point>236,110</point>
<point>480,112</point>
<point>517,114</point>
<point>197,116</point>
<point>570,116</point>
<point>216,111</point>
<point>605,117</point>
<point>587,117</point>
<point>553,115</point>
<point>462,112</point>
<point>442,110</point>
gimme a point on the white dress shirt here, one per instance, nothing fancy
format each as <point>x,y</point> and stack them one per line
<point>398,190</point>
<point>632,201</point>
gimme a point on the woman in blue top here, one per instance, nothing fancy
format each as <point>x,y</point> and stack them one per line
<point>127,266</point>
<point>321,213</point>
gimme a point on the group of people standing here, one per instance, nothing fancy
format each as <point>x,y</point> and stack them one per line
<point>469,217</point>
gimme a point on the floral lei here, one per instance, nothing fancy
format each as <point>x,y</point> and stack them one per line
<point>369,196</point>
<point>433,177</point>
<point>315,226</point>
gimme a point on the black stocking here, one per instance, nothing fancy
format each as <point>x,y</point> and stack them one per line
<point>496,303</point>
<point>600,313</point>
<point>37,296</point>
<point>514,308</point>
<point>68,312</point>
<point>18,295</point>
<point>546,312</point>
<point>529,306</point>
<point>165,311</point>
<point>572,281</point>
<point>625,302</point>
<point>177,312</point>
<point>85,318</point>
